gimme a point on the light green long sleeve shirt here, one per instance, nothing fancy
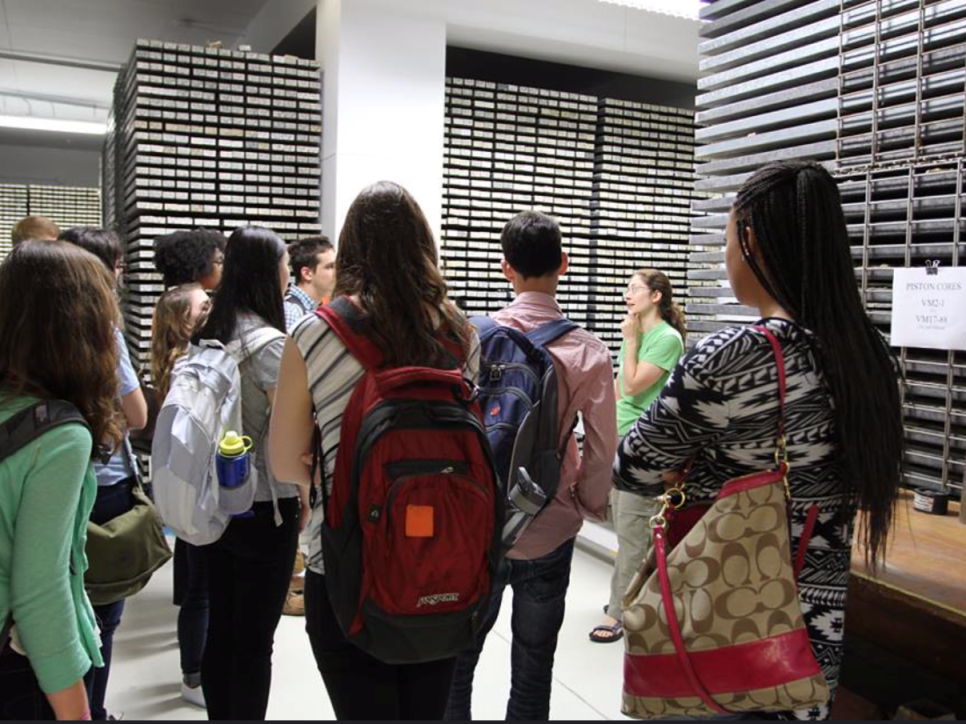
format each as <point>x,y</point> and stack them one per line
<point>47,491</point>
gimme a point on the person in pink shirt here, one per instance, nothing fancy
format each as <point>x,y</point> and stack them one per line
<point>537,568</point>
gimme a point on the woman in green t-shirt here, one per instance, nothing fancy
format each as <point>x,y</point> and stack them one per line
<point>57,317</point>
<point>653,332</point>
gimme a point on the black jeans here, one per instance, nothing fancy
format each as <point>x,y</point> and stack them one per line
<point>112,501</point>
<point>248,575</point>
<point>21,698</point>
<point>191,595</point>
<point>539,594</point>
<point>361,686</point>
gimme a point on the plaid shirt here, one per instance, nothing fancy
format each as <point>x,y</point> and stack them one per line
<point>297,305</point>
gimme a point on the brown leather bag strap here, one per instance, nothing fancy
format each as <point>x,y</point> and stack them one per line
<point>674,627</point>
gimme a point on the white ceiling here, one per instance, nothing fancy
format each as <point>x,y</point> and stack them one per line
<point>103,32</point>
<point>586,33</point>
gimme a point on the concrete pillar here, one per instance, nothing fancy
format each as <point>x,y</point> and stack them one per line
<point>384,83</point>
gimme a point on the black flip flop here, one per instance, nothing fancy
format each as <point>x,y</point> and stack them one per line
<point>616,631</point>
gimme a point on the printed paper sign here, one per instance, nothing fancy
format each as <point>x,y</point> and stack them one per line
<point>929,310</point>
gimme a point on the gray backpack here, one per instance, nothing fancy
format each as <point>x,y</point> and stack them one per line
<point>204,401</point>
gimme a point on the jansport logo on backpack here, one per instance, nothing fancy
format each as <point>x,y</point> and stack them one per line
<point>411,533</point>
<point>204,401</point>
<point>518,391</point>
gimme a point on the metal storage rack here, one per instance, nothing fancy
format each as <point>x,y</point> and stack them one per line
<point>618,175</point>
<point>644,187</point>
<point>206,137</point>
<point>67,206</point>
<point>876,91</point>
<point>508,149</point>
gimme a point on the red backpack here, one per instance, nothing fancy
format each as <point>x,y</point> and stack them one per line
<point>411,538</point>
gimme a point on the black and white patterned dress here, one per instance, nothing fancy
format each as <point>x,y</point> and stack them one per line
<point>721,407</point>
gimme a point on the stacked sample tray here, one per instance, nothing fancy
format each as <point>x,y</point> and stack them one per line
<point>643,190</point>
<point>875,91</point>
<point>509,149</point>
<point>205,137</point>
<point>617,175</point>
<point>67,206</point>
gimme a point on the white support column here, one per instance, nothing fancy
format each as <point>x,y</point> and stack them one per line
<point>384,83</point>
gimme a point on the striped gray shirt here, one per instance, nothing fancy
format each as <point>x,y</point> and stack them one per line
<point>332,375</point>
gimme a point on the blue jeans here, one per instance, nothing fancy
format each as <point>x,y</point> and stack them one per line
<point>112,501</point>
<point>108,619</point>
<point>539,596</point>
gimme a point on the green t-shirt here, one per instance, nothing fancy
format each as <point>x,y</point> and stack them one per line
<point>661,347</point>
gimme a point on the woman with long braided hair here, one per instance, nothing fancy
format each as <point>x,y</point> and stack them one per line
<point>788,255</point>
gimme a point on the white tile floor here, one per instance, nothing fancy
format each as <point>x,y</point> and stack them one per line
<point>145,678</point>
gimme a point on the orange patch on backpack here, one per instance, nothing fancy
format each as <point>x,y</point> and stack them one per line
<point>419,521</point>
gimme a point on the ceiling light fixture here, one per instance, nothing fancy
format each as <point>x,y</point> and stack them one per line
<point>31,123</point>
<point>679,8</point>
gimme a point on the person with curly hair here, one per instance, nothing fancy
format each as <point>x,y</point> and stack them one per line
<point>187,257</point>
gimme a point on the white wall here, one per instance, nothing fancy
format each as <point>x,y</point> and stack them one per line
<point>384,84</point>
<point>58,159</point>
<point>384,68</point>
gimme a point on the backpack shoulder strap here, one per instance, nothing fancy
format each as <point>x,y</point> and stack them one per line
<point>551,332</point>
<point>252,343</point>
<point>260,339</point>
<point>351,327</point>
<point>483,324</point>
<point>28,425</point>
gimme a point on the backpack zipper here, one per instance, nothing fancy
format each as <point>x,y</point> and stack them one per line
<point>491,393</point>
<point>401,482</point>
<point>411,467</point>
<point>503,367</point>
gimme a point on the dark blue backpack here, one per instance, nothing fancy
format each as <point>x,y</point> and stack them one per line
<point>518,392</point>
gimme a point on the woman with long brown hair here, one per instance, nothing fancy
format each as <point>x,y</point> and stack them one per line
<point>179,312</point>
<point>117,477</point>
<point>387,265</point>
<point>48,487</point>
<point>653,341</point>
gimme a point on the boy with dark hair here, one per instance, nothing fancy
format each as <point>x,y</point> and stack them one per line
<point>537,567</point>
<point>101,243</point>
<point>313,280</point>
<point>532,245</point>
<point>313,277</point>
<point>187,257</point>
